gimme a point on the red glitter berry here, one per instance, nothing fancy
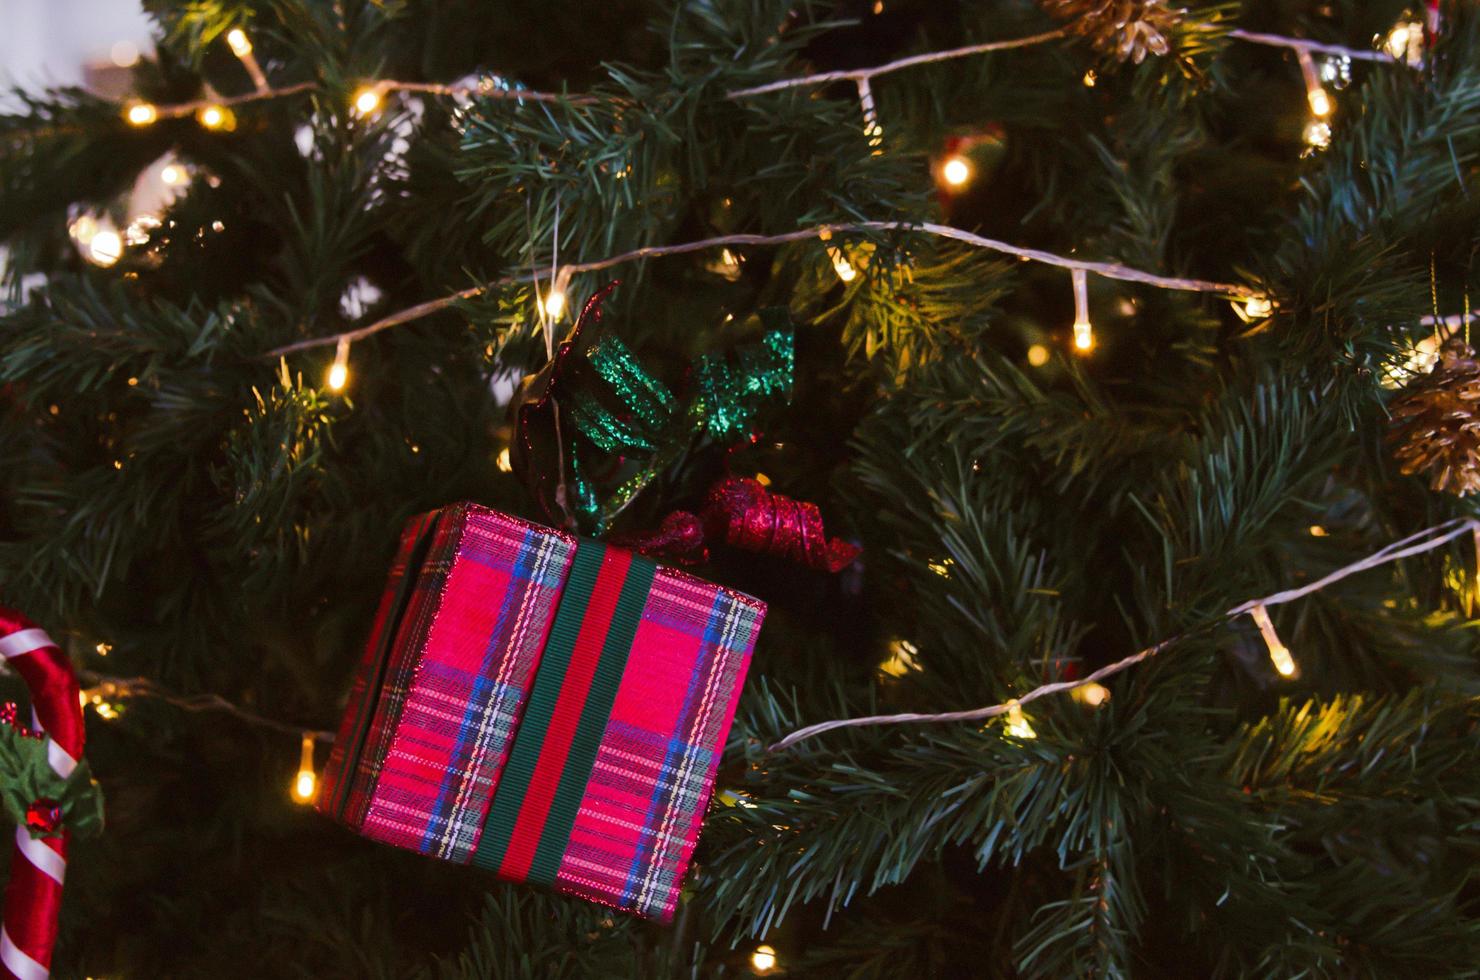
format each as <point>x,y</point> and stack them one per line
<point>9,715</point>
<point>44,816</point>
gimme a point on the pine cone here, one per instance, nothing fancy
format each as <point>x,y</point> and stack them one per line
<point>1126,29</point>
<point>1436,422</point>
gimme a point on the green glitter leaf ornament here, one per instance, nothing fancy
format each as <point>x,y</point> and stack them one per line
<point>32,793</point>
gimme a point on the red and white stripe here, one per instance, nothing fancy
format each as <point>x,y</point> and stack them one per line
<point>34,893</point>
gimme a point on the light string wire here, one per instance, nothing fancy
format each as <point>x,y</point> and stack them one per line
<point>484,89</point>
<point>1415,544</point>
<point>179,110</point>
<point>1300,44</point>
<point>100,688</point>
<point>487,90</point>
<point>1109,270</point>
<point>861,77</point>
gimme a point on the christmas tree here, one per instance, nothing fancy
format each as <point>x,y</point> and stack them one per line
<point>1114,328</point>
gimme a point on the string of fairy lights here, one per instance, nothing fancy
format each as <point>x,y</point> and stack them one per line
<point>1091,692</point>
<point>108,697</point>
<point>1403,45</point>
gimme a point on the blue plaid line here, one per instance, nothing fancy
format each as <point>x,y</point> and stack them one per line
<point>655,875</point>
<point>530,555</point>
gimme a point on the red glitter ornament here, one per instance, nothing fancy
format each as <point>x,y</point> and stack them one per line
<point>749,517</point>
<point>745,515</point>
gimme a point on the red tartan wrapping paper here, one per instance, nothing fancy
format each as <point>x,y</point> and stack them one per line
<point>542,706</point>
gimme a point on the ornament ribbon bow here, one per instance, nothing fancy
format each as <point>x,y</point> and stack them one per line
<point>595,426</point>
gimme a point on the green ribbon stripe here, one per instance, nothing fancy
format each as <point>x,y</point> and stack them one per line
<point>524,756</point>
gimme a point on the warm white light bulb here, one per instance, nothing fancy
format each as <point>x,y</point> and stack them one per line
<point>1084,336</point>
<point>727,266</point>
<point>105,248</point>
<point>367,100</point>
<point>1279,654</point>
<point>305,783</point>
<point>141,114</point>
<point>1258,307</point>
<point>211,117</point>
<point>1037,355</point>
<point>1093,694</point>
<point>339,370</point>
<point>841,265</point>
<point>1397,41</point>
<point>901,659</point>
<point>1283,662</point>
<point>1320,102</point>
<point>1318,134</point>
<point>553,304</point>
<point>1017,722</point>
<point>241,45</point>
<point>173,174</point>
<point>956,171</point>
<point>304,786</point>
<point>505,461</point>
<point>1405,43</point>
<point>763,959</point>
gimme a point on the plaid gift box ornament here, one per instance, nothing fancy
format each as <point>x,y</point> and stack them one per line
<point>549,708</point>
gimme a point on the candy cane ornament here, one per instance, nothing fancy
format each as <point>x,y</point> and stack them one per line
<point>33,896</point>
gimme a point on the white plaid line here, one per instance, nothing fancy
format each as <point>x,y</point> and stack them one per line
<point>724,650</point>
<point>464,821</point>
<point>637,826</point>
<point>457,817</point>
